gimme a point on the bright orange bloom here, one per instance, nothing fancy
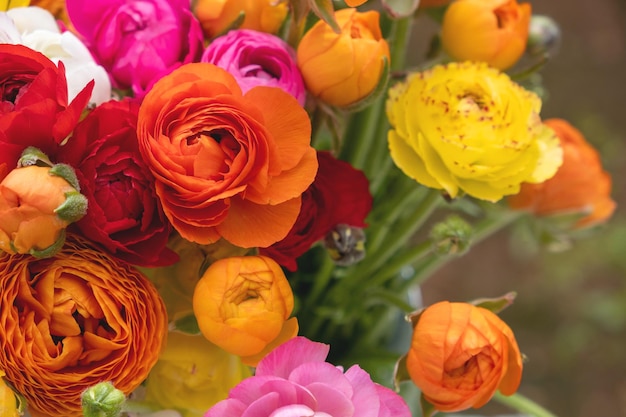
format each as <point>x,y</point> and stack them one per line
<point>343,68</point>
<point>71,321</point>
<point>226,164</point>
<point>217,16</point>
<point>461,354</point>
<point>491,31</point>
<point>30,219</point>
<point>580,184</point>
<point>355,3</point>
<point>57,8</point>
<point>243,305</point>
<point>433,3</point>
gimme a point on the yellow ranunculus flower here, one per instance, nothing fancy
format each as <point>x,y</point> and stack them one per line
<point>467,127</point>
<point>9,4</point>
<point>8,401</point>
<point>192,375</point>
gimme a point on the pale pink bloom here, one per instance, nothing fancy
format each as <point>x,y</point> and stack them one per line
<point>257,58</point>
<point>138,41</point>
<point>295,380</point>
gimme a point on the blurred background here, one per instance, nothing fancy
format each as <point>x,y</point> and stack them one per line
<point>570,313</point>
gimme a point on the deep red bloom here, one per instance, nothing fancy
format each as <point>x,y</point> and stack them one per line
<point>34,108</point>
<point>339,194</point>
<point>124,213</point>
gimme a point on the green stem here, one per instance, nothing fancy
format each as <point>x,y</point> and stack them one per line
<point>409,257</point>
<point>523,404</point>
<point>322,279</point>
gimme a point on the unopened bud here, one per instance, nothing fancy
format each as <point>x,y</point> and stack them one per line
<point>451,237</point>
<point>103,400</point>
<point>544,36</point>
<point>345,244</point>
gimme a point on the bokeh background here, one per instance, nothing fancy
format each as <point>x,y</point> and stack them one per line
<point>570,313</point>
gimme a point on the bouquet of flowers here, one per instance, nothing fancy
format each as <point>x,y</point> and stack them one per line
<point>225,208</point>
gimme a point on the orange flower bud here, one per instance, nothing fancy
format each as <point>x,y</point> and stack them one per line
<point>217,16</point>
<point>36,205</point>
<point>72,321</point>
<point>243,305</point>
<point>491,31</point>
<point>343,68</point>
<point>461,354</point>
<point>580,184</point>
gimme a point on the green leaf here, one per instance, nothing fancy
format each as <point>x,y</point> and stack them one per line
<point>428,410</point>
<point>324,10</point>
<point>187,324</point>
<point>400,8</point>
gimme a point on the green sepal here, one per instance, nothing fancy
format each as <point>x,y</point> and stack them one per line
<point>33,156</point>
<point>414,317</point>
<point>428,410</point>
<point>51,250</point>
<point>497,304</point>
<point>400,8</point>
<point>400,372</point>
<point>187,324</point>
<point>73,208</point>
<point>324,10</point>
<point>453,236</point>
<point>67,173</point>
<point>376,93</point>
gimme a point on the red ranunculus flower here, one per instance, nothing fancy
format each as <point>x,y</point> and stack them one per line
<point>124,213</point>
<point>34,108</point>
<point>339,194</point>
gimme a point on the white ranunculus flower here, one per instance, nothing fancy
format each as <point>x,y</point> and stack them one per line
<point>37,29</point>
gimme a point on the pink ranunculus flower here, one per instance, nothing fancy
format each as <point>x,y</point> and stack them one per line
<point>295,380</point>
<point>138,41</point>
<point>257,58</point>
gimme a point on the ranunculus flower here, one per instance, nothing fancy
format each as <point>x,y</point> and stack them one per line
<point>257,58</point>
<point>192,375</point>
<point>37,203</point>
<point>339,195</point>
<point>343,68</point>
<point>138,41</point>
<point>491,31</point>
<point>296,380</point>
<point>243,305</point>
<point>461,355</point>
<point>39,30</point>
<point>8,400</point>
<point>467,127</point>
<point>72,321</point>
<point>580,185</point>
<point>8,4</point>
<point>58,9</point>
<point>226,164</point>
<point>217,16</point>
<point>34,108</point>
<point>125,215</point>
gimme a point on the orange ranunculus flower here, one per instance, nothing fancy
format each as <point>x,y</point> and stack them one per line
<point>71,321</point>
<point>217,16</point>
<point>355,3</point>
<point>433,3</point>
<point>579,186</point>
<point>36,205</point>
<point>491,31</point>
<point>57,8</point>
<point>461,354</point>
<point>343,68</point>
<point>243,305</point>
<point>226,164</point>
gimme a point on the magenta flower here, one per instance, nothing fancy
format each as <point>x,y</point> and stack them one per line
<point>257,58</point>
<point>138,41</point>
<point>295,380</point>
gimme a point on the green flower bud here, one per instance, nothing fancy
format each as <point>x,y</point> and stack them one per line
<point>103,400</point>
<point>544,35</point>
<point>451,237</point>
